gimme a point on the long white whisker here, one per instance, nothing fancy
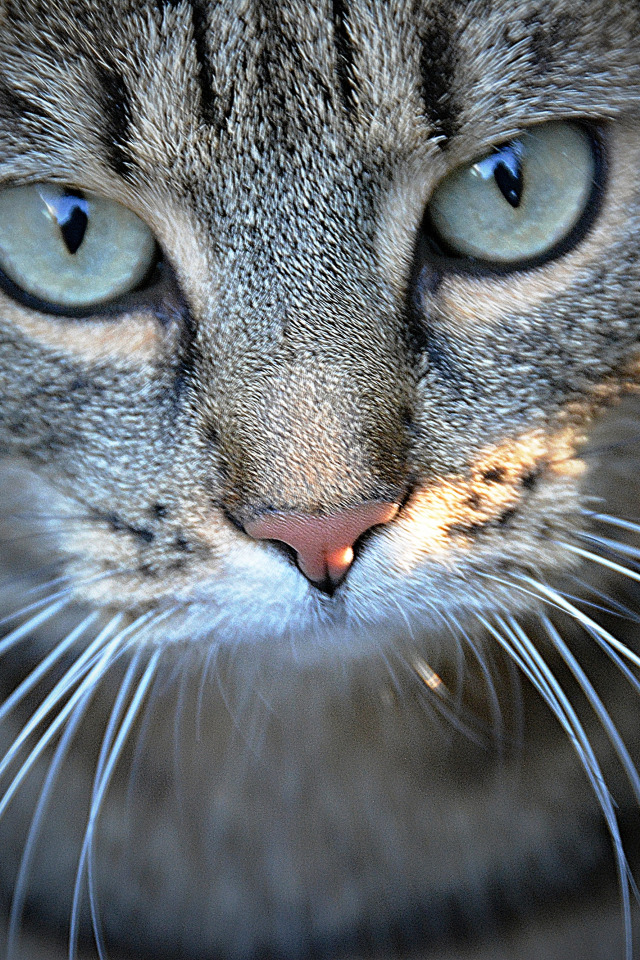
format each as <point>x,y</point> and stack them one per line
<point>613,608</point>
<point>537,670</point>
<point>96,668</point>
<point>605,640</point>
<point>79,669</point>
<point>494,701</point>
<point>34,622</point>
<point>67,594</point>
<point>45,665</point>
<point>603,561</point>
<point>98,797</point>
<point>107,743</point>
<point>623,667</point>
<point>20,888</point>
<point>599,708</point>
<point>559,601</point>
<point>65,578</point>
<point>614,521</point>
<point>204,679</point>
<point>616,546</point>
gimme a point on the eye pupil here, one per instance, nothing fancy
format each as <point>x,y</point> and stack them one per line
<point>508,175</point>
<point>73,227</point>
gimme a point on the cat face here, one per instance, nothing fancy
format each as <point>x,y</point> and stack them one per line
<point>307,315</point>
<point>303,340</point>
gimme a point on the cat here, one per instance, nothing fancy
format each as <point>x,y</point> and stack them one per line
<point>320,340</point>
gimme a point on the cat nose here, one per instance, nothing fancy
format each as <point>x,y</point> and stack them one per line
<point>324,545</point>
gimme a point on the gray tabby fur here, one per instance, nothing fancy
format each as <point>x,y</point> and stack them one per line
<point>292,787</point>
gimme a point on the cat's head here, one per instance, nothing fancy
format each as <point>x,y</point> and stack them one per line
<point>303,331</point>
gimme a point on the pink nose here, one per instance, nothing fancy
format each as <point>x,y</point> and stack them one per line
<point>324,544</point>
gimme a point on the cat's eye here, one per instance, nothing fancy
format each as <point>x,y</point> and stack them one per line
<point>66,250</point>
<point>520,202</point>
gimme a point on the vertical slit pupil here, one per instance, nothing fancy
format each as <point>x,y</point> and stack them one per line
<point>73,220</point>
<point>507,173</point>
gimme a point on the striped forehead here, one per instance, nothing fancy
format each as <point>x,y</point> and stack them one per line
<point>160,82</point>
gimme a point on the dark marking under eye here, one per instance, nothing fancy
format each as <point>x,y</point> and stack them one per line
<point>183,544</point>
<point>494,475</point>
<point>118,525</point>
<point>530,479</point>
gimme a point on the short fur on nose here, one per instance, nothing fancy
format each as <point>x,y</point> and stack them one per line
<point>324,545</point>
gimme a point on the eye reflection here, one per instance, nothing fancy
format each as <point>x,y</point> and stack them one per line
<point>70,210</point>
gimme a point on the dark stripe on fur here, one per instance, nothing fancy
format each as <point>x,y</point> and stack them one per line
<point>344,55</point>
<point>200,26</point>
<point>14,107</point>
<point>116,106</point>
<point>438,68</point>
<point>548,39</point>
<point>205,73</point>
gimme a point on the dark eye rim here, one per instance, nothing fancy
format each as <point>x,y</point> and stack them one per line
<point>446,261</point>
<point>151,288</point>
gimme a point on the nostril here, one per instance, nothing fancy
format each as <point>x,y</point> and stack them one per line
<point>324,545</point>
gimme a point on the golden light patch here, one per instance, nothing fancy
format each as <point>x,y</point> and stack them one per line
<point>428,676</point>
<point>458,506</point>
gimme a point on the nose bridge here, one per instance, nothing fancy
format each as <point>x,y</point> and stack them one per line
<point>314,437</point>
<point>303,355</point>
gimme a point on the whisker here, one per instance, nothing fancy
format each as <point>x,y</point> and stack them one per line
<point>533,665</point>
<point>605,640</point>
<point>599,708</point>
<point>439,696</point>
<point>36,534</point>
<point>107,743</point>
<point>43,517</point>
<point>147,716</point>
<point>559,601</point>
<point>37,604</point>
<point>178,738</point>
<point>114,752</point>
<point>204,679</point>
<point>20,886</point>
<point>613,608</point>
<point>34,622</point>
<point>65,578</point>
<point>494,701</point>
<point>95,664</point>
<point>621,522</point>
<point>603,561</point>
<point>45,665</point>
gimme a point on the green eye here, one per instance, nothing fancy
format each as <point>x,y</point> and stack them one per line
<point>68,250</point>
<point>519,202</point>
